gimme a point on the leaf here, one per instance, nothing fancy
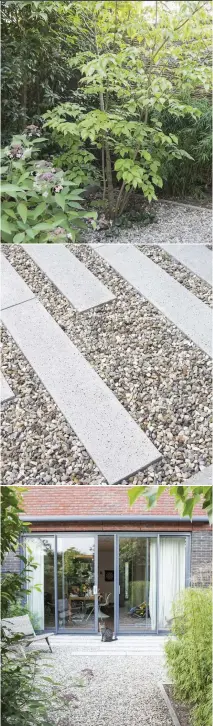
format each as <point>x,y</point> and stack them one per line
<point>5,225</point>
<point>19,237</point>
<point>38,210</point>
<point>60,201</point>
<point>134,493</point>
<point>22,211</point>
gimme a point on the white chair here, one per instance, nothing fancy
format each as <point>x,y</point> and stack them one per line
<point>101,615</point>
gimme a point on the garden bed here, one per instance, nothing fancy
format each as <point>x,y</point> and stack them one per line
<point>179,712</point>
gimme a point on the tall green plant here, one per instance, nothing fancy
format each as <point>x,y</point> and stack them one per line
<point>123,62</point>
<point>191,177</point>
<point>36,47</point>
<point>189,656</point>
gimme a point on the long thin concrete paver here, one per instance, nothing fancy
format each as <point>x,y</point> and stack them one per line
<point>114,441</point>
<point>197,258</point>
<point>13,289</point>
<point>5,390</point>
<point>188,313</point>
<point>202,478</point>
<point>69,275</point>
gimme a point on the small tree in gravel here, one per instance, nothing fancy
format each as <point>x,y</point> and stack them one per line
<point>123,58</point>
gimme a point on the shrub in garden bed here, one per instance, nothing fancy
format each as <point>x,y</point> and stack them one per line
<point>39,202</point>
<point>189,656</point>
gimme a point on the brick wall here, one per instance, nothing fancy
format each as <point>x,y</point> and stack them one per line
<point>201,558</point>
<point>116,526</point>
<point>11,563</point>
<point>40,500</point>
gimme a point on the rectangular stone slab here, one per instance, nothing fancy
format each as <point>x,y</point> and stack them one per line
<point>185,310</point>
<point>197,258</point>
<point>69,275</point>
<point>201,478</point>
<point>13,289</point>
<point>6,392</point>
<point>114,441</point>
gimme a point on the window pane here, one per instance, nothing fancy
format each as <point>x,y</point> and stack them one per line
<point>41,602</point>
<point>138,583</point>
<point>75,564</point>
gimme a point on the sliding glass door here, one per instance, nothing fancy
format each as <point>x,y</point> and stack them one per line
<point>152,573</point>
<point>76,589</point>
<point>82,579</point>
<point>137,584</point>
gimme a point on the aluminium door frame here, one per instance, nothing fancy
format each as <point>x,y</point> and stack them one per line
<point>116,536</point>
<point>154,535</point>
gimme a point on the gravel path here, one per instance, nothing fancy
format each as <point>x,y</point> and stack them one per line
<point>121,686</point>
<point>175,223</point>
<point>161,378</point>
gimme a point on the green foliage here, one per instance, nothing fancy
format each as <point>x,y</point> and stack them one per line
<point>189,656</point>
<point>119,82</point>
<point>123,59</point>
<point>39,202</point>
<point>185,497</point>
<point>36,46</point>
<point>187,177</point>
<point>29,697</point>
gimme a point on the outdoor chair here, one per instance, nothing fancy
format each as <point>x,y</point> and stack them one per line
<point>102,615</point>
<point>23,626</point>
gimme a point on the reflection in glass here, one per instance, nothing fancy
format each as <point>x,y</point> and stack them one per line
<point>75,567</point>
<point>138,583</point>
<point>40,600</point>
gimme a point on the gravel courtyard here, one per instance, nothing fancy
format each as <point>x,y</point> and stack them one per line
<point>160,377</point>
<point>121,686</point>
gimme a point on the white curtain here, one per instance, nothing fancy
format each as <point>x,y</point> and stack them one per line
<point>153,583</point>
<point>171,576</point>
<point>35,599</point>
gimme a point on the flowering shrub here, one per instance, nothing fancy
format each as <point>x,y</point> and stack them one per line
<point>39,202</point>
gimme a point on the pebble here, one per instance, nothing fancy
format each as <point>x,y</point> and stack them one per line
<point>164,383</point>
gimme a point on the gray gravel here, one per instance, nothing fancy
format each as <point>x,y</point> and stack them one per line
<point>161,378</point>
<point>175,223</point>
<point>121,686</point>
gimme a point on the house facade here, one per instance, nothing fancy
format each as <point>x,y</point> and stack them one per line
<point>100,560</point>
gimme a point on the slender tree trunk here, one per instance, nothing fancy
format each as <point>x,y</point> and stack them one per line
<point>103,172</point>
<point>24,102</point>
<point>110,190</point>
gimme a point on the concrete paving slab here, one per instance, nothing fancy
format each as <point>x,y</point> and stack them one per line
<point>13,289</point>
<point>188,313</point>
<point>197,258</point>
<point>114,441</point>
<point>5,390</point>
<point>202,478</point>
<point>69,275</point>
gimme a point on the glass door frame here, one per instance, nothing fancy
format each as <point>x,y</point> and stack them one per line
<point>116,538</point>
<point>77,631</point>
<point>148,535</point>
